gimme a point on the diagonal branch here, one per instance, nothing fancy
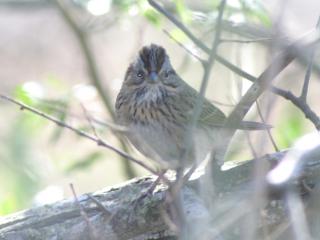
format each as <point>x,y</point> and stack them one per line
<point>204,83</point>
<point>303,106</point>
<point>198,42</point>
<point>81,133</point>
<point>88,56</point>
<point>263,79</point>
<point>208,66</point>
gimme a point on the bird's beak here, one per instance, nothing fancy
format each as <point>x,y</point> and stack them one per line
<point>153,76</point>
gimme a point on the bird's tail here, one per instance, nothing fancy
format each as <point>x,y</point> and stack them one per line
<point>248,125</point>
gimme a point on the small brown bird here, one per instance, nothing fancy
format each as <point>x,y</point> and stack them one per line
<point>156,107</point>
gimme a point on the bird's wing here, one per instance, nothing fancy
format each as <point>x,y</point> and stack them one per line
<point>211,115</point>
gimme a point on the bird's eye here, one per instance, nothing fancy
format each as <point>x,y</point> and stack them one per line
<point>140,74</point>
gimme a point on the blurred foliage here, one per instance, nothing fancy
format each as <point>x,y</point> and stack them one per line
<point>84,162</point>
<point>187,11</point>
<point>18,167</point>
<point>291,126</point>
<point>254,11</point>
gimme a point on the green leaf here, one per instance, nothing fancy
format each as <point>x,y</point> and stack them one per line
<point>8,204</point>
<point>255,11</point>
<point>179,35</point>
<point>289,130</point>
<point>153,17</point>
<point>124,5</point>
<point>19,172</point>
<point>22,95</point>
<point>182,11</point>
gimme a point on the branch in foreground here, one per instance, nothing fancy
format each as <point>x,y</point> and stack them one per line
<point>262,84</point>
<point>298,102</point>
<point>204,83</point>
<point>305,86</point>
<point>63,219</point>
<point>198,42</point>
<point>289,96</point>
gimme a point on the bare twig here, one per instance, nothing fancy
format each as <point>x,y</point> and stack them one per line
<point>88,56</point>
<point>223,40</point>
<point>208,66</point>
<point>207,70</point>
<point>179,25</point>
<point>262,83</point>
<point>303,106</point>
<point>305,87</point>
<point>90,121</point>
<point>98,141</point>
<point>93,71</point>
<point>101,206</point>
<point>203,47</point>
<point>93,234</point>
<point>199,43</point>
<point>112,126</point>
<point>251,146</point>
<point>268,130</point>
<point>184,47</point>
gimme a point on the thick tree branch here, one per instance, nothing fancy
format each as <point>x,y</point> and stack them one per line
<point>63,219</point>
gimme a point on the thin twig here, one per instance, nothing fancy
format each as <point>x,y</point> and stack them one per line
<point>98,141</point>
<point>268,129</point>
<point>223,40</point>
<point>101,206</point>
<point>207,71</point>
<point>199,43</point>
<point>303,106</point>
<point>179,25</point>
<point>208,66</point>
<point>262,83</point>
<point>184,47</point>
<point>93,72</point>
<point>90,121</point>
<point>253,151</point>
<point>112,126</point>
<point>88,56</point>
<point>305,87</point>
<point>93,234</point>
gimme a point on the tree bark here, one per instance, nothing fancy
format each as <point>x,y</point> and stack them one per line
<point>126,217</point>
